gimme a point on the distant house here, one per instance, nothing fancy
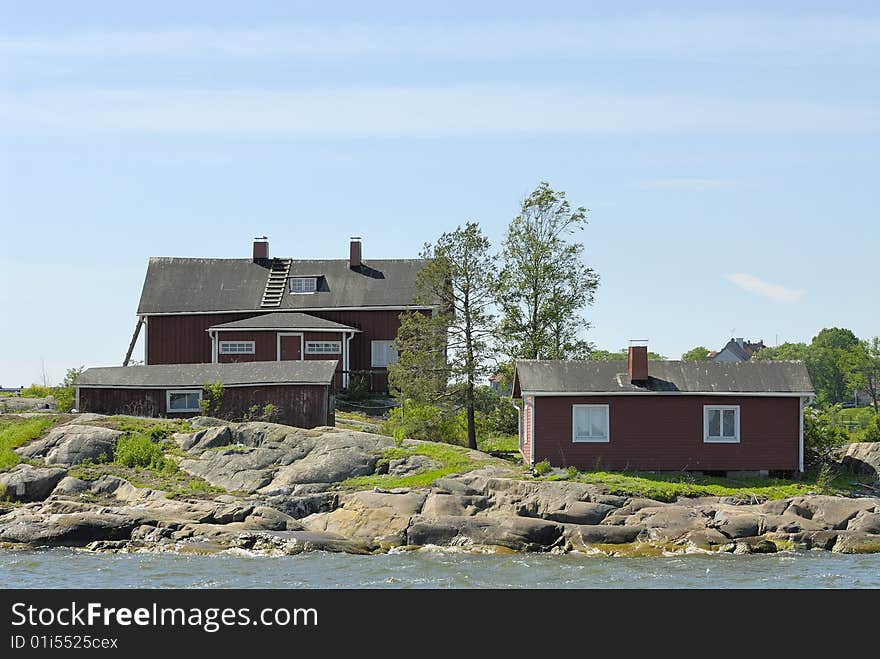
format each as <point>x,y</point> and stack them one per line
<point>736,350</point>
<point>301,391</point>
<point>663,415</point>
<point>203,311</point>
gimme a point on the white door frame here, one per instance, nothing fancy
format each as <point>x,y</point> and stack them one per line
<point>302,347</point>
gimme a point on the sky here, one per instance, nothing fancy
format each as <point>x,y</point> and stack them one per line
<point>729,158</point>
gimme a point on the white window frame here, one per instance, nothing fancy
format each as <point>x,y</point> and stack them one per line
<point>328,347</point>
<point>387,344</point>
<point>721,439</point>
<point>248,348</point>
<point>593,440</point>
<point>313,286</point>
<point>168,394</point>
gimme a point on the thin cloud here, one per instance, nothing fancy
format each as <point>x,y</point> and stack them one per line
<point>760,287</point>
<point>421,111</point>
<point>680,37</point>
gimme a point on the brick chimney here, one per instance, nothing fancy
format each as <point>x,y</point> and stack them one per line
<point>261,249</point>
<point>638,362</point>
<point>354,254</point>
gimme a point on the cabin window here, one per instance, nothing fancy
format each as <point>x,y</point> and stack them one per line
<point>323,347</point>
<point>383,354</point>
<point>721,423</point>
<point>237,348</point>
<point>303,284</point>
<point>183,400</point>
<point>590,423</point>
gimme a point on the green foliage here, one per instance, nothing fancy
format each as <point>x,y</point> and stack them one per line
<point>414,420</point>
<point>36,391</point>
<point>17,431</point>
<point>499,444</point>
<point>359,385</point>
<point>138,450</point>
<point>821,435</point>
<point>156,428</point>
<point>543,468</point>
<point>66,398</point>
<point>71,376</point>
<point>825,478</point>
<point>212,399</point>
<point>865,373</point>
<point>871,433</point>
<point>543,284</point>
<point>421,372</point>
<point>696,354</point>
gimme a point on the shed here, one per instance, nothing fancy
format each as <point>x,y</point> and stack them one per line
<point>301,392</point>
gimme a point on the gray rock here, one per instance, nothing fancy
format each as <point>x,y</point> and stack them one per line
<point>834,511</point>
<point>71,529</point>
<point>27,483</point>
<point>71,486</point>
<point>87,417</point>
<point>373,517</point>
<point>581,512</point>
<point>856,542</point>
<point>208,438</point>
<point>865,522</point>
<point>581,536</point>
<point>735,526</point>
<point>206,422</point>
<point>72,444</point>
<point>454,505</point>
<point>860,458</point>
<point>298,507</point>
<point>518,533</point>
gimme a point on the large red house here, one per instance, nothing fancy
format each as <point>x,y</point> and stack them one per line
<point>273,309</point>
<point>663,415</point>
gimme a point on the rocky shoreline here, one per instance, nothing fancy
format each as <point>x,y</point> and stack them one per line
<point>284,492</point>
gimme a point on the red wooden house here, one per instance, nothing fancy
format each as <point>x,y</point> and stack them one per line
<point>663,415</point>
<point>274,309</point>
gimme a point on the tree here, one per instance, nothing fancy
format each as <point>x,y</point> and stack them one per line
<point>544,285</point>
<point>697,354</point>
<point>459,275</point>
<point>783,352</point>
<point>832,358</point>
<point>866,371</point>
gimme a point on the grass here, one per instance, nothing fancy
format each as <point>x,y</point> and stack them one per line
<point>448,458</point>
<point>17,431</point>
<point>668,486</point>
<point>170,479</point>
<point>499,444</point>
<point>153,427</point>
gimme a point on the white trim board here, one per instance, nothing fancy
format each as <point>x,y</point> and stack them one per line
<point>192,390</point>
<point>279,329</point>
<point>286,383</point>
<point>302,346</point>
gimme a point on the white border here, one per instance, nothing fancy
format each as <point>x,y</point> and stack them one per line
<point>721,440</point>
<point>742,394</point>
<point>168,393</point>
<point>253,350</point>
<point>591,440</point>
<point>302,348</point>
<point>338,345</point>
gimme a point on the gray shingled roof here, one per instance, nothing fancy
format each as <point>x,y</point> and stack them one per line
<point>664,376</point>
<point>193,285</point>
<point>284,320</point>
<point>190,375</point>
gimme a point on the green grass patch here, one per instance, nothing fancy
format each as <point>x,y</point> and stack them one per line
<point>668,486</point>
<point>448,458</point>
<point>174,481</point>
<point>17,431</point>
<point>499,444</point>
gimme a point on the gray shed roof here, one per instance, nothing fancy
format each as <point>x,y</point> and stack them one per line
<point>284,320</point>
<point>167,376</point>
<point>180,285</point>
<point>664,377</point>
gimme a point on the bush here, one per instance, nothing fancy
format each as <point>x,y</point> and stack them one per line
<point>821,435</point>
<point>543,468</point>
<point>424,421</point>
<point>36,391</point>
<point>358,385</point>
<point>871,433</point>
<point>138,450</point>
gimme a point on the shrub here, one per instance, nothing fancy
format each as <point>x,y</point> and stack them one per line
<point>423,421</point>
<point>66,398</point>
<point>138,450</point>
<point>358,385</point>
<point>36,391</point>
<point>871,433</point>
<point>821,436</point>
<point>543,468</point>
<point>212,401</point>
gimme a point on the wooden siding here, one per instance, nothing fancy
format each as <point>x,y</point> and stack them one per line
<point>265,348</point>
<point>665,433</point>
<point>305,406</point>
<point>184,339</point>
<point>527,415</point>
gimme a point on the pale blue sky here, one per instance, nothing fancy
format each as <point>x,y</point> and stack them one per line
<point>729,160</point>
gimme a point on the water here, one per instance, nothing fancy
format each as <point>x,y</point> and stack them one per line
<point>67,568</point>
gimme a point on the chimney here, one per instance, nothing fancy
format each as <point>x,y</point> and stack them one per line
<point>739,342</point>
<point>261,249</point>
<point>354,254</point>
<point>638,361</point>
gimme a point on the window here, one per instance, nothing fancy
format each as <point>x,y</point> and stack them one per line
<point>237,348</point>
<point>303,284</point>
<point>721,423</point>
<point>590,423</point>
<point>183,401</point>
<point>323,347</point>
<point>383,354</point>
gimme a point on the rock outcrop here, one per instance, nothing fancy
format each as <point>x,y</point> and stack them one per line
<point>72,444</point>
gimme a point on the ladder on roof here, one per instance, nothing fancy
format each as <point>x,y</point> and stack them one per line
<point>276,283</point>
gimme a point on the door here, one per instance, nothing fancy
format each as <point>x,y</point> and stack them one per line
<point>289,346</point>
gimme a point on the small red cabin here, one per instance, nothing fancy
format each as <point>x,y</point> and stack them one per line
<point>663,415</point>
